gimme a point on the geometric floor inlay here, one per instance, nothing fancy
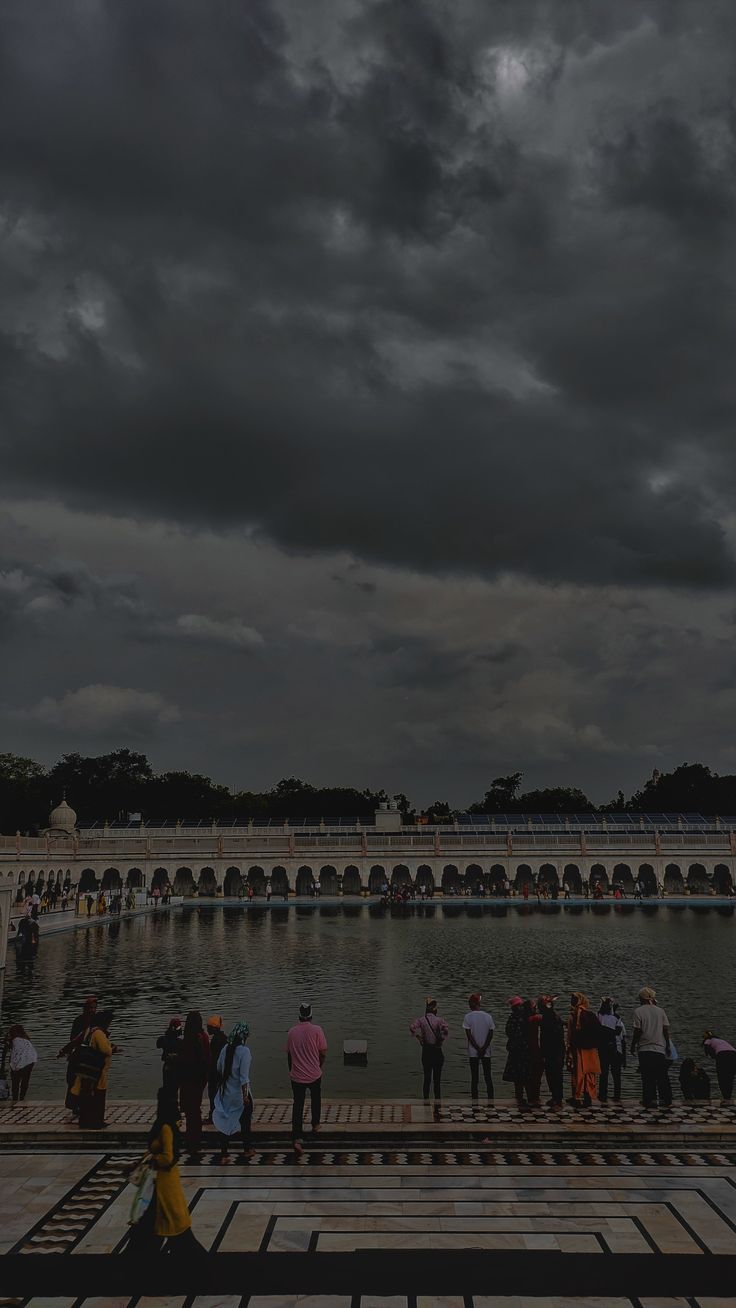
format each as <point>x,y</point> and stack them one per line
<point>605,1203</point>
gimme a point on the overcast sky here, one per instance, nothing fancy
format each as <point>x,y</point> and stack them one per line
<point>368,388</point>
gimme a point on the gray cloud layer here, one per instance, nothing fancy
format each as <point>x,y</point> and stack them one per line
<point>440,289</point>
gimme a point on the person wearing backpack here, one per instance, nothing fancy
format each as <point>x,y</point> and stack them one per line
<point>583,1030</point>
<point>612,1049</point>
<point>93,1065</point>
<point>431,1031</point>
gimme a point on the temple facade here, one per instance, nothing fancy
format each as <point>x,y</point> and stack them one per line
<point>667,853</point>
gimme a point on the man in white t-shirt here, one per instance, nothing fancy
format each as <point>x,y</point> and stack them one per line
<point>479,1027</point>
<point>651,1040</point>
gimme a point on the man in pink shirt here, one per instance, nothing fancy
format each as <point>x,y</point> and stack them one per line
<point>306,1049</point>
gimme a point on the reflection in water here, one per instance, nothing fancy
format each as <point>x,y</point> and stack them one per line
<point>367,969</point>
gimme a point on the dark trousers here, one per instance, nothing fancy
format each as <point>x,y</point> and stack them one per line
<point>19,1081</point>
<point>299,1091</point>
<point>655,1081</point>
<point>531,1083</point>
<point>246,1117</point>
<point>611,1061</point>
<point>553,1070</point>
<point>475,1065</point>
<point>190,1097</point>
<point>725,1071</point>
<point>432,1060</point>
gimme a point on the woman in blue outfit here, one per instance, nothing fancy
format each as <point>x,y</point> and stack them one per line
<point>233,1110</point>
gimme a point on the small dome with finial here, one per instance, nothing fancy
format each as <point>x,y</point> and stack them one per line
<point>62,818</point>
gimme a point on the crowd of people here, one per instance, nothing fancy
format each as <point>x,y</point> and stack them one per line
<point>590,1046</point>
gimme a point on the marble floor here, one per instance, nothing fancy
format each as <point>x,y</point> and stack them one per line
<point>608,1203</point>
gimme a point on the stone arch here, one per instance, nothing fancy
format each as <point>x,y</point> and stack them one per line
<point>376,879</point>
<point>572,878</point>
<point>351,883</point>
<point>160,879</point>
<point>328,880</point>
<point>623,877</point>
<point>697,879</point>
<point>400,877</point>
<point>450,880</point>
<point>111,879</point>
<point>497,879</point>
<point>524,876</point>
<point>184,881</point>
<point>722,879</point>
<point>425,877</point>
<point>232,883</point>
<point>279,881</point>
<point>598,877</point>
<point>304,881</point>
<point>257,879</point>
<point>674,883</point>
<point>648,878</point>
<point>88,880</point>
<point>547,876</point>
<point>207,883</point>
<point>134,879</point>
<point>474,878</point>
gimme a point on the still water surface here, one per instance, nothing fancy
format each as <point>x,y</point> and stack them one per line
<point>367,971</point>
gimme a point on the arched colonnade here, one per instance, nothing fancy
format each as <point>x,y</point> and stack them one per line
<point>449,879</point>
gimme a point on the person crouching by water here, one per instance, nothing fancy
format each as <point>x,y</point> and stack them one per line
<point>725,1058</point>
<point>431,1031</point>
<point>170,1045</point>
<point>233,1106</point>
<point>583,1035</point>
<point>23,1059</point>
<point>218,1040</point>
<point>91,1088</point>
<point>167,1216</point>
<point>694,1082</point>
<point>552,1045</point>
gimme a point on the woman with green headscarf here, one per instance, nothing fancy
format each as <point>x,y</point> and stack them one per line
<point>233,1110</point>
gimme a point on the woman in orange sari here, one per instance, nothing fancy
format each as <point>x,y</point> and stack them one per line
<point>583,1033</point>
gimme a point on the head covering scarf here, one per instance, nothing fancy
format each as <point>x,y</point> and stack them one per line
<point>240,1031</point>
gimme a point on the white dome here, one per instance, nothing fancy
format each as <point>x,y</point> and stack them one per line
<point>62,818</point>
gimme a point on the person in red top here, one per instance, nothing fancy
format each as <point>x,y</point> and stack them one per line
<point>306,1050</point>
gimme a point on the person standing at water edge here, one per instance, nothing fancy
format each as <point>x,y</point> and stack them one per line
<point>552,1046</point>
<point>80,1026</point>
<point>306,1050</point>
<point>651,1039</point>
<point>218,1040</point>
<point>583,1036</point>
<point>170,1045</point>
<point>479,1027</point>
<point>612,1049</point>
<point>91,1088</point>
<point>233,1106</point>
<point>725,1056</point>
<point>193,1065</point>
<point>431,1031</point>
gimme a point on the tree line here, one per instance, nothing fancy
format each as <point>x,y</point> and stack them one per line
<point>113,786</point>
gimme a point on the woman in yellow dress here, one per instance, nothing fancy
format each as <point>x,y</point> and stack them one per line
<point>91,1093</point>
<point>167,1217</point>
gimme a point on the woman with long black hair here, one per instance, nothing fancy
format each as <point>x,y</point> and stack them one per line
<point>233,1109</point>
<point>192,1065</point>
<point>167,1216</point>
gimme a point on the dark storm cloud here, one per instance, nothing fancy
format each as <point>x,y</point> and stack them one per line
<point>446,293</point>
